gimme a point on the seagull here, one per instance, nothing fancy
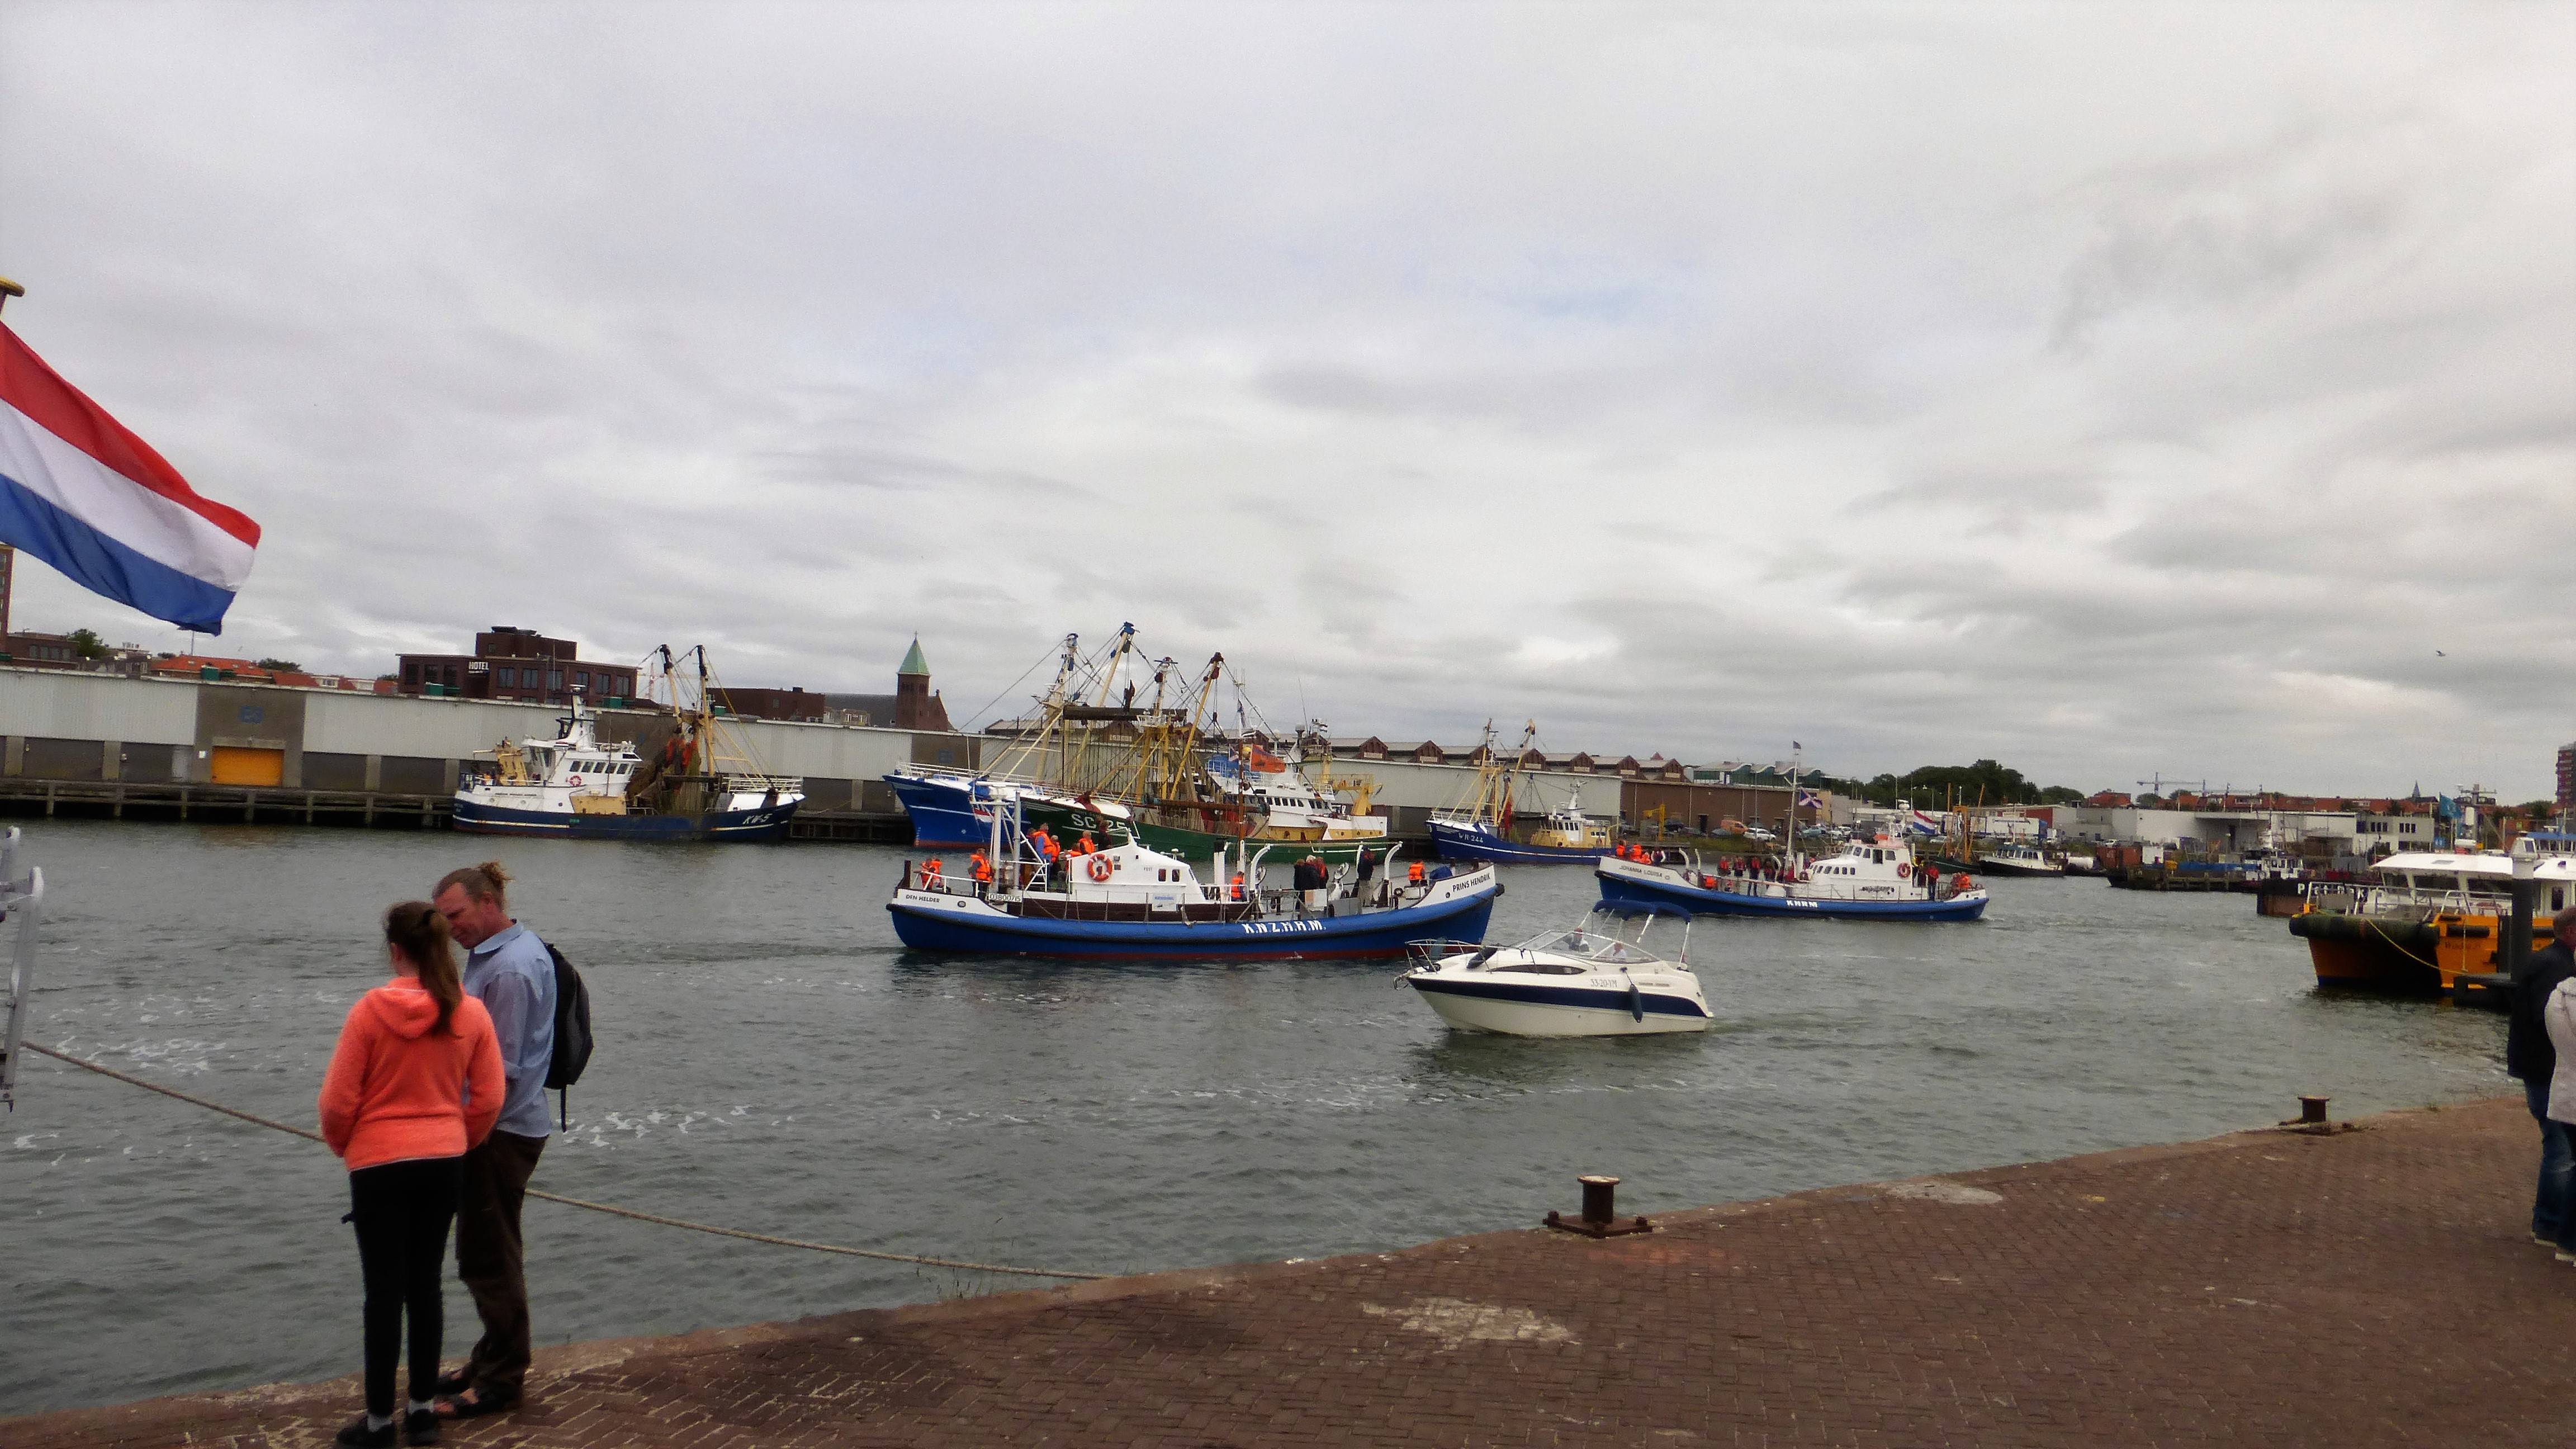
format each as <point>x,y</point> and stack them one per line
<point>2438,654</point>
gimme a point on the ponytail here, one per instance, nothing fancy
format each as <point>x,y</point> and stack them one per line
<point>419,932</point>
<point>485,882</point>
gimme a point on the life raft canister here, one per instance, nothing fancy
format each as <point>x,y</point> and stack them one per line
<point>1100,867</point>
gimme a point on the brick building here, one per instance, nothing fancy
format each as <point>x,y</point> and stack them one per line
<point>912,706</point>
<point>792,704</point>
<point>518,664</point>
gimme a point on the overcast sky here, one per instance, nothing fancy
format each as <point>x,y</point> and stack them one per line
<point>2103,389</point>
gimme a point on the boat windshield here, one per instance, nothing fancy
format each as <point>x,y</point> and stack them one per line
<point>1605,949</point>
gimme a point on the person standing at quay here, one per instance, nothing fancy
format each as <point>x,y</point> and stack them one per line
<point>414,1083</point>
<point>510,971</point>
<point>2530,1055</point>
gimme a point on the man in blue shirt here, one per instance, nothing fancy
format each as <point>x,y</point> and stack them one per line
<point>510,971</point>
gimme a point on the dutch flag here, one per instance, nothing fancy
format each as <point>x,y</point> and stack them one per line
<point>83,494</point>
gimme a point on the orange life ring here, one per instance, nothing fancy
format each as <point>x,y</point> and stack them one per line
<point>1903,870</point>
<point>1099,867</point>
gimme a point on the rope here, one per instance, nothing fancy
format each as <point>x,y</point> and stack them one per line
<point>598,1207</point>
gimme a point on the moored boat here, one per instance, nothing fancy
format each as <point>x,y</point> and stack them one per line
<point>1481,829</point>
<point>1589,981</point>
<point>1870,880</point>
<point>577,787</point>
<point>2426,918</point>
<point>2019,860</point>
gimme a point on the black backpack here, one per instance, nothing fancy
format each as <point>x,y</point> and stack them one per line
<point>572,1032</point>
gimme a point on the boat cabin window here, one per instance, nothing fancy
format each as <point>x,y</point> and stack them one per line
<point>1605,949</point>
<point>1535,968</point>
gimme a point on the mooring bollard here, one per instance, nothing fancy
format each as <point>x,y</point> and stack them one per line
<point>1600,1215</point>
<point>1598,1193</point>
<point>2312,1111</point>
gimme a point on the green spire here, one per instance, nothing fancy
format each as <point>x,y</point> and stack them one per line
<point>913,663</point>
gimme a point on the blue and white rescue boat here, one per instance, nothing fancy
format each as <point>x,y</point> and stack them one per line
<point>1872,880</point>
<point>1131,901</point>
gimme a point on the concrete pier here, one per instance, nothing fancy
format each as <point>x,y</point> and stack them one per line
<point>2363,1287</point>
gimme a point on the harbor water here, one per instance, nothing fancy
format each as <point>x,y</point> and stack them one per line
<point>771,1059</point>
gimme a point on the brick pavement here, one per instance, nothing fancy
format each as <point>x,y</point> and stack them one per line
<point>2372,1287</point>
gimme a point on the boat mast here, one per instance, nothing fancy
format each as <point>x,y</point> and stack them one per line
<point>1512,776</point>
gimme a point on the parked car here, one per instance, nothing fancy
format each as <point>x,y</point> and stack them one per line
<point>1756,832</point>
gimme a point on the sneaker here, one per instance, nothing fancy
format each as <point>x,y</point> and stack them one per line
<point>420,1426</point>
<point>2567,1255</point>
<point>2542,1239</point>
<point>356,1434</point>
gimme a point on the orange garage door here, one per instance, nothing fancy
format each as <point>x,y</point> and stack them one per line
<point>231,766</point>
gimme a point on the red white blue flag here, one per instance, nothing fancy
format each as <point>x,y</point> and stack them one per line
<point>80,492</point>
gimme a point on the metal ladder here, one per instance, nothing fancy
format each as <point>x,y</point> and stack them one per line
<point>22,900</point>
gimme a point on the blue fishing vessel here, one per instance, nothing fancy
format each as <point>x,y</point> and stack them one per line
<point>1870,881</point>
<point>1568,838</point>
<point>949,809</point>
<point>1131,901</point>
<point>1481,830</point>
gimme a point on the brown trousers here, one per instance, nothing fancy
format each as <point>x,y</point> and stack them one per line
<point>491,1256</point>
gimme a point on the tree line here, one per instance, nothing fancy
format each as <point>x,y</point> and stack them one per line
<point>1933,787</point>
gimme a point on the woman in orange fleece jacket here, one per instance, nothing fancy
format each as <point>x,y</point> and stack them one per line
<point>415,1081</point>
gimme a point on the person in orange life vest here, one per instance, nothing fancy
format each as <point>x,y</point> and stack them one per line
<point>1238,885</point>
<point>930,875</point>
<point>1084,846</point>
<point>983,867</point>
<point>1415,875</point>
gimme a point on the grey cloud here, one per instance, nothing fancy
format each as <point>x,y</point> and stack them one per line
<point>2105,391</point>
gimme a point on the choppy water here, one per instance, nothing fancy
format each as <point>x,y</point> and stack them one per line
<point>771,1058</point>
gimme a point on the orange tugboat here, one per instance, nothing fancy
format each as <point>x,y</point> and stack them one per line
<point>2430,918</point>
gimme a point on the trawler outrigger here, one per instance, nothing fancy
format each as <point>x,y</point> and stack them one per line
<point>1482,829</point>
<point>1102,761</point>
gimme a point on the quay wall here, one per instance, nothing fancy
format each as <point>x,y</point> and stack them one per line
<point>62,725</point>
<point>59,725</point>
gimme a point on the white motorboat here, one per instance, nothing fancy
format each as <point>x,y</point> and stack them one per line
<point>1583,982</point>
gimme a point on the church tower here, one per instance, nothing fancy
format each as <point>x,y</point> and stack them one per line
<point>915,707</point>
